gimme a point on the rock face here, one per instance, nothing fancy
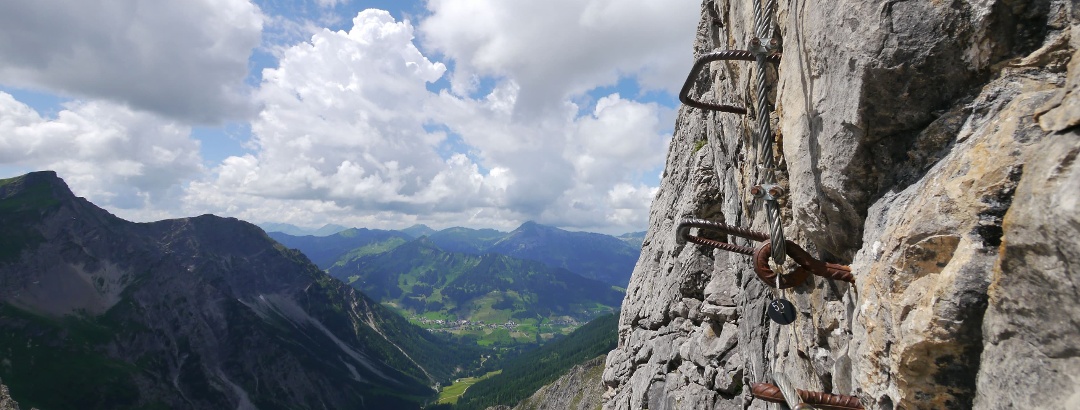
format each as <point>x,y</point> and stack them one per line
<point>579,389</point>
<point>928,145</point>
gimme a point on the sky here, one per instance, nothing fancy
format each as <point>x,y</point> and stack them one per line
<point>378,114</point>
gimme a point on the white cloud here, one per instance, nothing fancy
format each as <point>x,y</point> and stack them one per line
<point>559,48</point>
<point>186,60</point>
<point>343,123</point>
<point>117,157</point>
<point>350,130</point>
<point>620,139</point>
<point>563,166</point>
<point>347,130</point>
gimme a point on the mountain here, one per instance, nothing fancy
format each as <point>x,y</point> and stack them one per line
<point>328,229</point>
<point>325,251</point>
<point>465,240</point>
<point>418,230</point>
<point>422,278</point>
<point>525,374</point>
<point>204,313</point>
<point>592,255</point>
<point>635,239</point>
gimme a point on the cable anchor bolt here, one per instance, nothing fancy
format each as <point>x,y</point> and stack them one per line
<point>807,264</point>
<point>768,192</point>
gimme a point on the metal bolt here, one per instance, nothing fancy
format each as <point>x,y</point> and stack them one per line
<point>756,191</point>
<point>776,192</point>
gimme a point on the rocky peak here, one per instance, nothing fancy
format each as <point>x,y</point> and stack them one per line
<point>928,145</point>
<point>44,180</point>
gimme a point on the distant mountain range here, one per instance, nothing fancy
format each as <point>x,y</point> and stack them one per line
<point>328,229</point>
<point>422,278</point>
<point>543,280</point>
<point>592,255</point>
<point>635,239</point>
<point>202,313</point>
<point>595,256</point>
<point>325,251</point>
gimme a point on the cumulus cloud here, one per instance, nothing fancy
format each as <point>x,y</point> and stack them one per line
<point>619,140</point>
<point>562,165</point>
<point>351,134</point>
<point>186,60</point>
<point>346,128</point>
<point>344,123</point>
<point>117,157</point>
<point>558,48</point>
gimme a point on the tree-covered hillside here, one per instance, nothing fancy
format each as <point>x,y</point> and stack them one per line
<point>592,255</point>
<point>481,294</point>
<point>525,374</point>
<point>324,251</point>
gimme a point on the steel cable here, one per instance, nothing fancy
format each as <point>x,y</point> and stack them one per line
<point>765,137</point>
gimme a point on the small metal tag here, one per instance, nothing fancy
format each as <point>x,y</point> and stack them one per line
<point>781,311</point>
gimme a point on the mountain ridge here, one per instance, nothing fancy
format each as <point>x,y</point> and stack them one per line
<point>187,313</point>
<point>592,255</point>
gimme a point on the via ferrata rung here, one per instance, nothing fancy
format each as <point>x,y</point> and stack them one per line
<point>825,401</point>
<point>705,59</point>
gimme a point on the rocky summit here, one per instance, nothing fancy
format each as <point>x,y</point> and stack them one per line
<point>199,313</point>
<point>929,146</point>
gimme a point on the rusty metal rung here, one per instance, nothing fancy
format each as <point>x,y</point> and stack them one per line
<point>824,401</point>
<point>740,55</point>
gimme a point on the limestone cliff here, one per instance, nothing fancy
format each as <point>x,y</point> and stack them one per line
<point>930,145</point>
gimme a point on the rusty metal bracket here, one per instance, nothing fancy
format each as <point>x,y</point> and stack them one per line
<point>807,264</point>
<point>701,62</point>
<point>683,235</point>
<point>826,401</point>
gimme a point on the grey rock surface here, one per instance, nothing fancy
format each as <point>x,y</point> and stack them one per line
<point>1031,324</point>
<point>928,145</point>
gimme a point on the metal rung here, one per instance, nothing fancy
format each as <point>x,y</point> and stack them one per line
<point>724,55</point>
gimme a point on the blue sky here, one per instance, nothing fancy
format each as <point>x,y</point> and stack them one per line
<point>382,114</point>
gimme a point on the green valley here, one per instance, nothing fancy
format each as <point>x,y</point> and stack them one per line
<point>523,375</point>
<point>493,299</point>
